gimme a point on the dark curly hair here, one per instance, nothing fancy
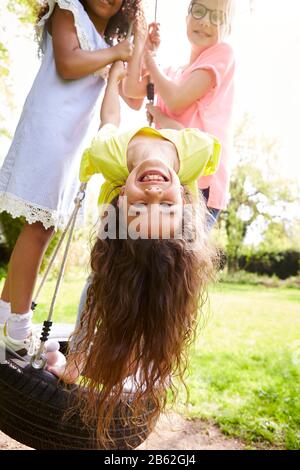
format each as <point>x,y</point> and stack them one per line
<point>117,26</point>
<point>139,319</point>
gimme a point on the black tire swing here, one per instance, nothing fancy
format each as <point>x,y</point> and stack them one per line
<point>33,402</point>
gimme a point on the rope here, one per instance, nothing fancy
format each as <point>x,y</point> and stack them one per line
<point>155,15</point>
<point>53,258</point>
<point>37,360</point>
<point>131,23</point>
<point>78,202</point>
<point>34,302</point>
<point>129,32</point>
<point>150,98</point>
<point>150,84</point>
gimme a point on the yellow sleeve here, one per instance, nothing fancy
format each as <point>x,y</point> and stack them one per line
<point>86,168</point>
<point>107,194</point>
<point>214,159</point>
<point>199,155</point>
<point>93,159</point>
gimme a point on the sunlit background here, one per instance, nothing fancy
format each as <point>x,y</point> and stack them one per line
<point>246,361</point>
<point>265,38</point>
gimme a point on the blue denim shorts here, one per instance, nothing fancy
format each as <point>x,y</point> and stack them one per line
<point>213,213</point>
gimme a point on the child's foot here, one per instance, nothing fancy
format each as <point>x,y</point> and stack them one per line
<point>23,347</point>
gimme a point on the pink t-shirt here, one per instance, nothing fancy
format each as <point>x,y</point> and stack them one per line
<point>212,113</point>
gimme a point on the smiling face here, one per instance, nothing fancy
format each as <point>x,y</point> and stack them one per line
<point>152,199</point>
<point>104,9</point>
<point>206,31</point>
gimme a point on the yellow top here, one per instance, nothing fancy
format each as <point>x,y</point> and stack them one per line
<point>198,153</point>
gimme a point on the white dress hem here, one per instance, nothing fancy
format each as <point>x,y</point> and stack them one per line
<point>17,207</point>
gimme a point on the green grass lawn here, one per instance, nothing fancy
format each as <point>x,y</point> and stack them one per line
<point>245,366</point>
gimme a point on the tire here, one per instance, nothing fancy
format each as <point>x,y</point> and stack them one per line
<point>33,403</point>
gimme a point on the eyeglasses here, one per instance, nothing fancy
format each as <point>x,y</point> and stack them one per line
<point>216,17</point>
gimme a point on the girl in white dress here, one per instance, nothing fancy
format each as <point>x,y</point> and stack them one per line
<point>39,177</point>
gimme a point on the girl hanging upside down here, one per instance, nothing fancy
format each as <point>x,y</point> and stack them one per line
<point>151,263</point>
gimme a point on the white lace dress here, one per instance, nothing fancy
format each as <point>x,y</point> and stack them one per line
<point>39,177</point>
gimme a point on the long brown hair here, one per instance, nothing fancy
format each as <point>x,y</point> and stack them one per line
<point>140,318</point>
<point>117,26</point>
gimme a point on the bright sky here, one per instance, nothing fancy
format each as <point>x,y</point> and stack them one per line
<point>268,65</point>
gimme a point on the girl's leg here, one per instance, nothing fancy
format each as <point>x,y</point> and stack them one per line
<point>212,217</point>
<point>24,266</point>
<point>213,213</point>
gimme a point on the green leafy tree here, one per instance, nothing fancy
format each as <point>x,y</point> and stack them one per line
<point>259,194</point>
<point>25,9</point>
<point>281,236</point>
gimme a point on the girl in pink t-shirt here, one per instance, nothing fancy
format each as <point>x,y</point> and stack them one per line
<point>199,94</point>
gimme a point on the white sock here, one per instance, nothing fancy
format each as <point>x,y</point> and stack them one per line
<point>5,311</point>
<point>19,325</point>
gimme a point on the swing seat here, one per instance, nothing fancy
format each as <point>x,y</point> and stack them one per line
<point>33,404</point>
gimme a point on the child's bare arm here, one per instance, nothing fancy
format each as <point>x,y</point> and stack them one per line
<point>71,61</point>
<point>135,85</point>
<point>179,97</point>
<point>110,109</point>
<point>134,103</point>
